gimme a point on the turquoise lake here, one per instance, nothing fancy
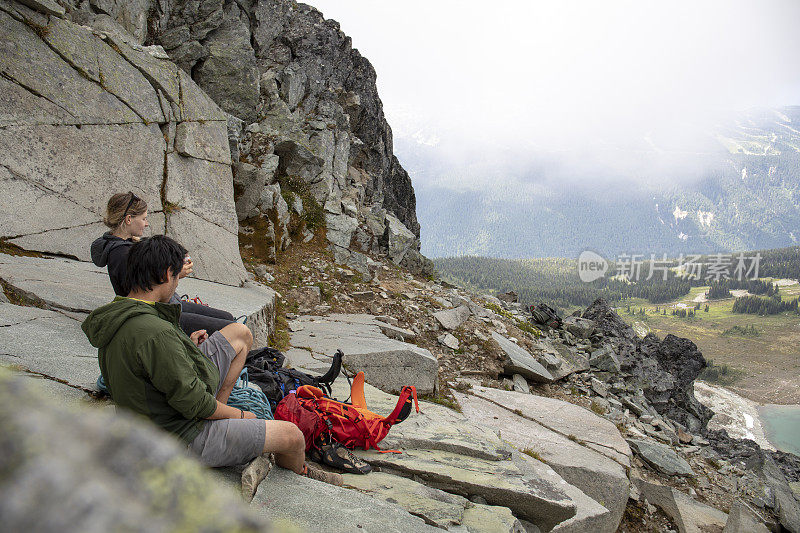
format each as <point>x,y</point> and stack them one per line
<point>782,426</point>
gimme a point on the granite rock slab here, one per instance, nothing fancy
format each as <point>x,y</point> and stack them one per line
<point>26,341</point>
<point>388,364</point>
<point>70,285</point>
<point>291,500</point>
<point>436,507</point>
<point>593,431</point>
<point>598,476</point>
<point>742,520</point>
<point>531,489</point>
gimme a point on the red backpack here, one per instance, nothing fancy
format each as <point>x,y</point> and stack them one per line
<point>352,425</point>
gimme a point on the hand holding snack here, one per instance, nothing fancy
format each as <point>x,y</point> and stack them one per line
<point>188,267</point>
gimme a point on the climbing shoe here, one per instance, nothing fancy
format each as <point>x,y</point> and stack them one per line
<point>339,457</point>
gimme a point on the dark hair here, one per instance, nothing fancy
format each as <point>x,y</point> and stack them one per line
<point>149,260</point>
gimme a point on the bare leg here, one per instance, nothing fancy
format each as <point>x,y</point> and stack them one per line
<point>286,441</point>
<point>241,339</point>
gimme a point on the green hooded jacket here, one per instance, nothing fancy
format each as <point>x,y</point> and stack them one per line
<point>151,366</point>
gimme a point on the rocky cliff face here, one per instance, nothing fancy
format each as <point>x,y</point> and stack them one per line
<point>87,112</point>
<point>312,121</point>
<point>311,115</point>
<point>664,370</point>
<point>301,129</point>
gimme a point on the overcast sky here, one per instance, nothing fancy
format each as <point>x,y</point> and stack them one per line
<point>561,71</point>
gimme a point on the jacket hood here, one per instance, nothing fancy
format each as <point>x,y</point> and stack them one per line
<point>103,323</point>
<point>102,246</point>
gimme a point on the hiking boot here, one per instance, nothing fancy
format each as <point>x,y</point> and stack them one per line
<point>339,457</point>
<point>331,478</point>
<point>254,473</point>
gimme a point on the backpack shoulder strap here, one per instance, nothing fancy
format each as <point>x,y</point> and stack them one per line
<point>403,407</point>
<point>357,392</point>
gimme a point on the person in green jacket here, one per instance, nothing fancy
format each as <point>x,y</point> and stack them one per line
<point>180,382</point>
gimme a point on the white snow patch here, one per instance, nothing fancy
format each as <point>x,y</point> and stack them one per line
<point>682,236</point>
<point>679,214</point>
<point>705,218</point>
<point>772,171</point>
<point>744,173</point>
<point>736,415</point>
<point>781,116</point>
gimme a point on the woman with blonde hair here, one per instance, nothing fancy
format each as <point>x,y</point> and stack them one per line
<point>126,217</point>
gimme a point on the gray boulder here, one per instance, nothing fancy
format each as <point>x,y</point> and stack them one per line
<point>786,506</point>
<point>399,238</point>
<point>690,515</point>
<point>743,520</point>
<point>604,359</point>
<point>248,184</point>
<point>446,339</point>
<point>667,369</point>
<point>519,361</point>
<point>580,327</point>
<point>395,332</point>
<point>388,364</point>
<point>111,471</point>
<point>661,458</point>
<point>340,229</point>
<point>521,384</point>
<point>452,318</point>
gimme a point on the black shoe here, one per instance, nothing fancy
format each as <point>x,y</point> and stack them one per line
<point>337,456</point>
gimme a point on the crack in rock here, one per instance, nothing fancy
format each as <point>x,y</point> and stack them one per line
<point>579,442</point>
<point>42,187</point>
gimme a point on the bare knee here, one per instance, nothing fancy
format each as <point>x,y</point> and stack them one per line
<point>283,437</point>
<point>244,334</point>
<point>238,335</point>
<point>295,440</point>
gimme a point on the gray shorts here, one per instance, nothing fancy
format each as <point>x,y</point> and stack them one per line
<point>230,441</point>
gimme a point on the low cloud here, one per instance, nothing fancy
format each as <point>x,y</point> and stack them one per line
<point>595,81</point>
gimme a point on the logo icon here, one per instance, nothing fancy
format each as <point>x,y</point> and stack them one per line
<point>591,266</point>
